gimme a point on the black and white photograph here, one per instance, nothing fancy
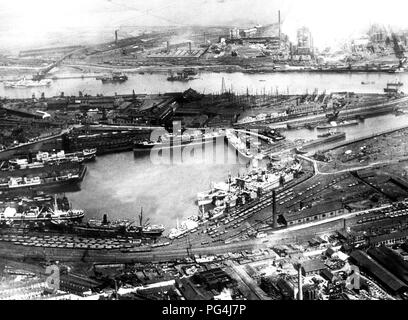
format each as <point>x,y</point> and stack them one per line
<point>193,152</point>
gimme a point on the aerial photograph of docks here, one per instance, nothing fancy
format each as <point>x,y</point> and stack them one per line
<point>203,150</point>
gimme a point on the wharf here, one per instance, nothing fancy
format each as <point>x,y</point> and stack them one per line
<point>348,142</point>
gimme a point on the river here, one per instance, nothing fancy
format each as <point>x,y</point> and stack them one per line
<point>207,82</point>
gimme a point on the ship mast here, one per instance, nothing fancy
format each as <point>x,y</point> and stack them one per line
<point>141,217</point>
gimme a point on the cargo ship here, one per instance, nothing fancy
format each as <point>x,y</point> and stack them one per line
<point>42,177</point>
<point>170,141</point>
<point>79,156</point>
<point>105,141</point>
<point>238,144</point>
<point>24,83</point>
<point>335,124</point>
<point>43,158</point>
<point>37,214</point>
<point>105,228</point>
<point>114,78</point>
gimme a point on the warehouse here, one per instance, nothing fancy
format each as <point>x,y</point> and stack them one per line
<point>379,273</point>
<point>316,213</point>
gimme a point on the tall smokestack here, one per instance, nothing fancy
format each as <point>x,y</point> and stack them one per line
<point>168,46</point>
<point>300,283</point>
<point>274,214</point>
<point>189,47</point>
<point>279,22</point>
<point>116,36</point>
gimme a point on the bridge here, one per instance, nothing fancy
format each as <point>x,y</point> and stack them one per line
<point>43,72</point>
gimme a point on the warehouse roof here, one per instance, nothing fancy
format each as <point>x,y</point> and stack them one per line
<point>315,210</point>
<point>369,265</point>
<point>313,266</point>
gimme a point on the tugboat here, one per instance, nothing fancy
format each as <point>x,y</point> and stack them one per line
<point>114,78</point>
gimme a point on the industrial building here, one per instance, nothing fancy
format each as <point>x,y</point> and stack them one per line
<point>214,279</point>
<point>178,53</point>
<point>314,266</point>
<point>392,261</point>
<point>304,42</point>
<point>385,278</point>
<point>317,212</point>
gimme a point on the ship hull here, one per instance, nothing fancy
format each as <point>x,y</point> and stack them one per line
<point>47,185</point>
<point>43,219</point>
<point>118,80</point>
<point>139,147</point>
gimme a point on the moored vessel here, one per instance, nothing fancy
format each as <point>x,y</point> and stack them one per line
<point>114,78</point>
<point>25,83</point>
<point>334,124</point>
<point>40,214</point>
<point>171,141</point>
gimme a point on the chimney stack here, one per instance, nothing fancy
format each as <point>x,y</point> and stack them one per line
<point>274,214</point>
<point>189,47</point>
<point>168,46</point>
<point>279,22</point>
<point>116,36</point>
<point>300,283</point>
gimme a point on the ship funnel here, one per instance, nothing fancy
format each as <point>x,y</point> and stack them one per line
<point>141,217</point>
